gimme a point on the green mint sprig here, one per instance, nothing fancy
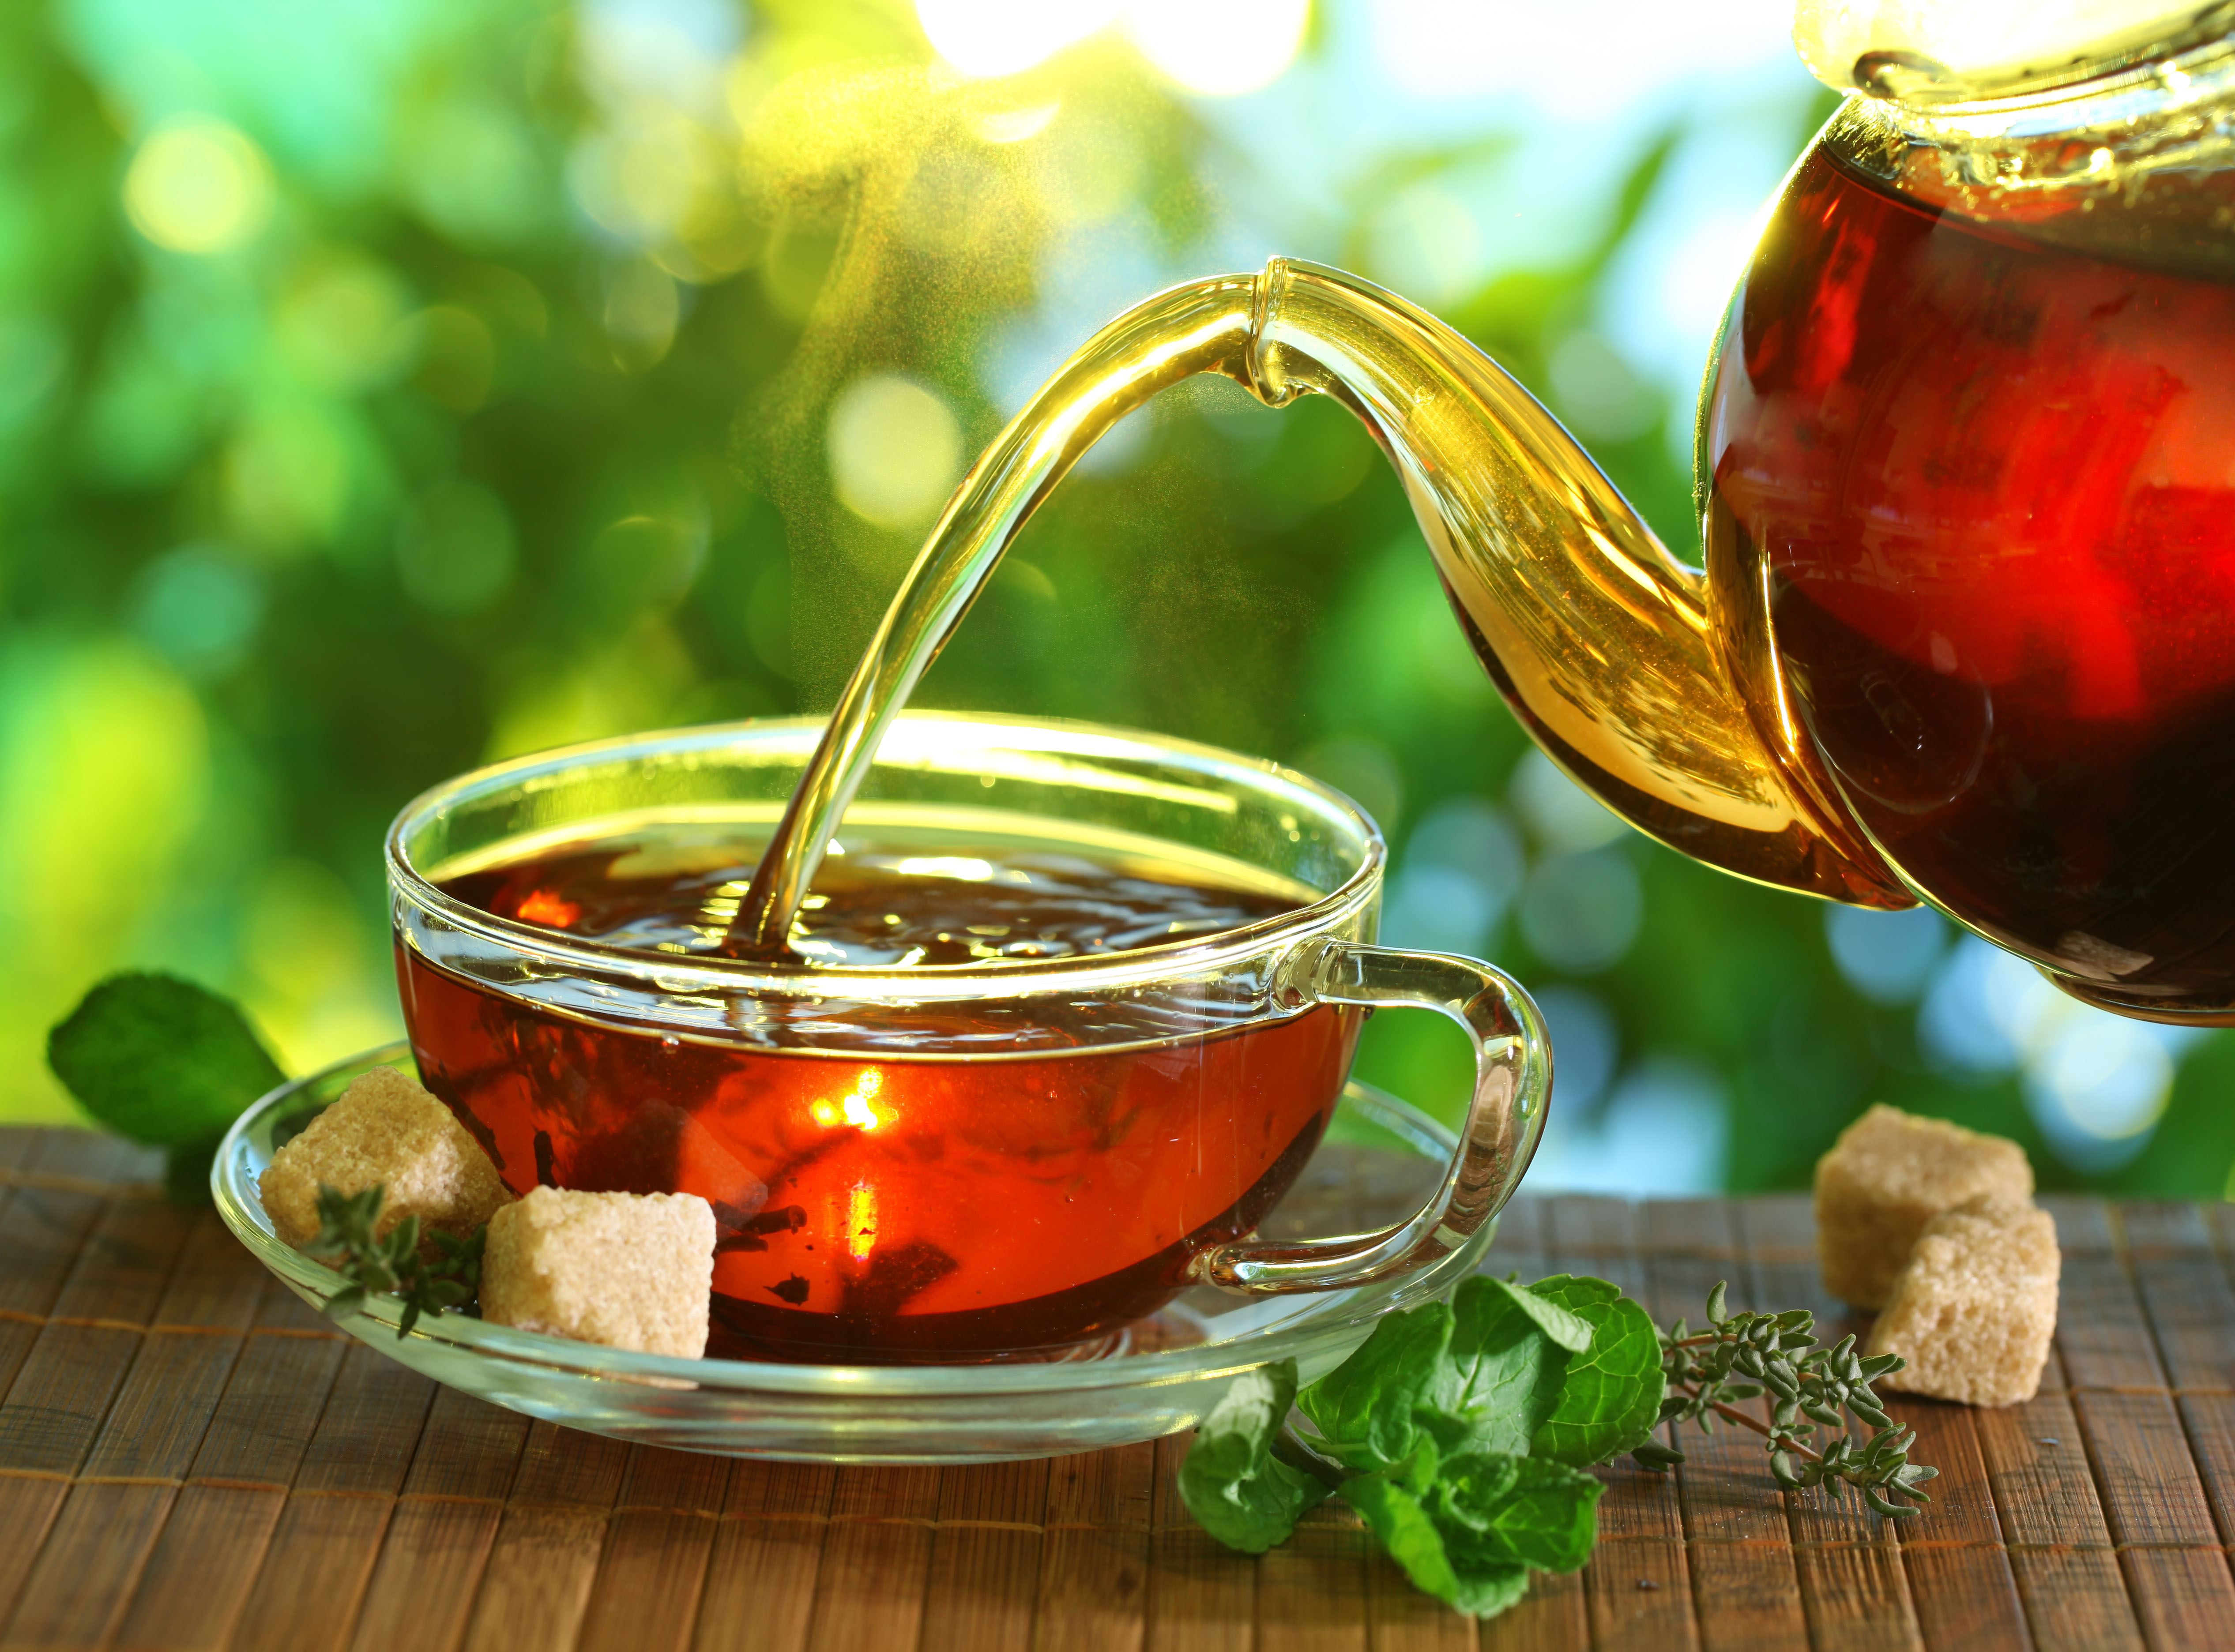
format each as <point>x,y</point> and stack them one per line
<point>1741,1356</point>
<point>392,1265</point>
<point>1460,1432</point>
<point>163,1062</point>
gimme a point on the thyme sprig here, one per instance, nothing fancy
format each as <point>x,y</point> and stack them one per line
<point>392,1265</point>
<point>1742,1356</point>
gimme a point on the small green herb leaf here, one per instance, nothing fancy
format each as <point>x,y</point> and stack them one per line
<point>1364,1408</point>
<point>1500,1509</point>
<point>1506,1363</point>
<point>1237,1489</point>
<point>1411,1538</point>
<point>163,1062</point>
<point>391,1264</point>
<point>1741,1356</point>
<point>1610,1400</point>
<point>1471,1538</point>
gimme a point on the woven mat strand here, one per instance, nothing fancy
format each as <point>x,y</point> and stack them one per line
<point>188,1459</point>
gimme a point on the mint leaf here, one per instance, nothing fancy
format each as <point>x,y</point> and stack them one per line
<point>161,1060</point>
<point>1471,1426</point>
<point>1610,1399</point>
<point>1409,1535</point>
<point>1471,1538</point>
<point>1417,1541</point>
<point>1497,1509</point>
<point>1506,1364</point>
<point>1363,1408</point>
<point>1236,1489</point>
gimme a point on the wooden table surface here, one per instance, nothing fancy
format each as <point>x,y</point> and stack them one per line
<point>189,1458</point>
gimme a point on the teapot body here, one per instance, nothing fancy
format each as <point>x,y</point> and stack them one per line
<point>1967,461</point>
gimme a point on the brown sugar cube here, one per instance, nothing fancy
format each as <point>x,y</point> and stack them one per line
<point>1888,1175</point>
<point>1974,1311</point>
<point>627,1269</point>
<point>384,1129</point>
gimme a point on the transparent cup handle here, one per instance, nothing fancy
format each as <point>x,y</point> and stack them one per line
<point>1512,1085</point>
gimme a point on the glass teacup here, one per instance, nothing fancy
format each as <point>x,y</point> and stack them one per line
<point>1001,1157</point>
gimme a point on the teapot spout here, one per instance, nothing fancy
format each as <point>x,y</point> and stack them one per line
<point>1627,667</point>
<point>1623,664</point>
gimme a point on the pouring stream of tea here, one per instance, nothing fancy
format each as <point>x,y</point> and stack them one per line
<point>1205,326</point>
<point>1599,638</point>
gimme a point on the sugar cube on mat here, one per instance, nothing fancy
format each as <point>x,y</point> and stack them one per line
<point>1888,1175</point>
<point>386,1129</point>
<point>1974,1311</point>
<point>627,1269</point>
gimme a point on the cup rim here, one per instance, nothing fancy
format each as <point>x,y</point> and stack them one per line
<point>1006,978</point>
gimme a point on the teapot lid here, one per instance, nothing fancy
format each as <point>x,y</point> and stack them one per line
<point>1937,52</point>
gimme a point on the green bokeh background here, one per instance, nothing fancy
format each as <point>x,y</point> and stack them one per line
<point>501,417</point>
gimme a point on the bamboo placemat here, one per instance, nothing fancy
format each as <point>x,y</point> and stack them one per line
<point>189,1458</point>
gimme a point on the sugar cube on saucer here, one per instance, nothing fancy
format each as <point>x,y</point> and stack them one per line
<point>1888,1175</point>
<point>385,1129</point>
<point>1974,1311</point>
<point>627,1269</point>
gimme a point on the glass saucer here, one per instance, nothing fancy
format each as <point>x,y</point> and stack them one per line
<point>1378,1163</point>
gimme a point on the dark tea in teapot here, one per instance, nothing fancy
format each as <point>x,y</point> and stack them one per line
<point>1986,480</point>
<point>1027,1194</point>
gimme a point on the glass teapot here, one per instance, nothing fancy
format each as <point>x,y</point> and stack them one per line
<point>1966,469</point>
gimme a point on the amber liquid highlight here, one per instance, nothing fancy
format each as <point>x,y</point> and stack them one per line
<point>1992,482</point>
<point>894,1208</point>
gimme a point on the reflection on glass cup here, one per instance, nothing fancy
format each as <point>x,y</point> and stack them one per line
<point>1003,1155</point>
